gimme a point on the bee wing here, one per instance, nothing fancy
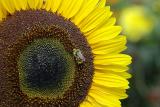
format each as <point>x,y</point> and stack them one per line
<point>81,56</point>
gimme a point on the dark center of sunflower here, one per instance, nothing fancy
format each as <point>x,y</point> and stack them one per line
<point>45,66</point>
<point>45,60</point>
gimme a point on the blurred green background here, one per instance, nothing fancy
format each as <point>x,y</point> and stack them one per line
<point>140,20</point>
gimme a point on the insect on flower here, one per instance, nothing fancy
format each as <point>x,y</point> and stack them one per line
<point>78,56</point>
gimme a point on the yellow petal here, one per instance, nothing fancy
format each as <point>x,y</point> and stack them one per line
<point>113,56</point>
<point>113,46</point>
<point>40,4</point>
<point>94,19</point>
<point>104,99</point>
<point>87,7</point>
<point>116,92</point>
<point>111,68</point>
<point>48,4</point>
<point>104,34</point>
<point>116,50</point>
<point>117,71</point>
<point>72,9</point>
<point>65,4</point>
<point>55,5</point>
<point>1,15</point>
<point>110,80</point>
<point>125,75</point>
<point>86,104</point>
<point>3,12</point>
<point>93,102</point>
<point>111,62</point>
<point>101,43</point>
<point>119,59</point>
<point>102,3</point>
<point>8,5</point>
<point>107,23</point>
<point>20,4</point>
<point>33,4</point>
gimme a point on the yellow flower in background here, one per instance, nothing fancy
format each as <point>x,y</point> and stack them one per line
<point>61,53</point>
<point>136,23</point>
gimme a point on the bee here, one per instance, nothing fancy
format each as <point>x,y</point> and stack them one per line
<point>78,56</point>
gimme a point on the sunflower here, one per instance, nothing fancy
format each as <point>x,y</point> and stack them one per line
<point>61,53</point>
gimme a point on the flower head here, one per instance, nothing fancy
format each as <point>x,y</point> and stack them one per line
<point>61,53</point>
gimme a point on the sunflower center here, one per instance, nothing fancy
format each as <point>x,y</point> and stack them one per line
<point>45,65</point>
<point>45,60</point>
